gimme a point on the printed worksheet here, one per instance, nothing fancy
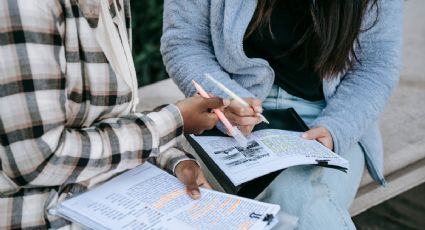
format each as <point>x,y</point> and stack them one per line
<point>268,150</point>
<point>149,198</point>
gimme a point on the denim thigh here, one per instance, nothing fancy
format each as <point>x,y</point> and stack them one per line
<point>319,196</point>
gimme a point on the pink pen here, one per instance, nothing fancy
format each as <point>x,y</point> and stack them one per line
<point>233,130</point>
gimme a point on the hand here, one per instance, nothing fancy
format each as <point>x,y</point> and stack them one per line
<point>322,135</point>
<point>196,113</point>
<point>191,175</point>
<point>243,117</point>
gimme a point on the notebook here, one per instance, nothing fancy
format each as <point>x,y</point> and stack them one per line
<point>271,148</point>
<point>147,197</point>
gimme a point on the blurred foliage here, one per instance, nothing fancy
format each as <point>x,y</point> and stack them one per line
<point>147,30</point>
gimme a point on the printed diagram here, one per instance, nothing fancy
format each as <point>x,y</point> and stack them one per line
<point>236,155</point>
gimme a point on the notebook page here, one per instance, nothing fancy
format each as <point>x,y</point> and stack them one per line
<point>149,198</point>
<point>268,150</point>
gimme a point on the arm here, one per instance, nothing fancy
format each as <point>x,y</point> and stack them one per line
<point>187,49</point>
<point>188,53</point>
<point>365,89</point>
<point>37,147</point>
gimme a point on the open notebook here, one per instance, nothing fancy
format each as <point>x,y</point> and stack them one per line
<point>271,148</point>
<point>147,197</point>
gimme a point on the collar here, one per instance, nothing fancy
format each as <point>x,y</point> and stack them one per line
<point>90,10</point>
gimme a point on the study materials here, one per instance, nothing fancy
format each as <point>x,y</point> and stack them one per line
<point>147,197</point>
<point>233,95</point>
<point>236,133</point>
<point>271,148</point>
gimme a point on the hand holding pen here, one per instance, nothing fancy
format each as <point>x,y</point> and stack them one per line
<point>196,114</point>
<point>232,130</point>
<point>245,113</point>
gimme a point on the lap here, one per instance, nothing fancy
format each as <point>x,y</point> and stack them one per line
<point>319,196</point>
<point>301,185</point>
<point>308,179</point>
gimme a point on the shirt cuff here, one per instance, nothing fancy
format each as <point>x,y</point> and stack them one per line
<point>165,129</point>
<point>187,157</point>
<point>167,120</point>
<point>169,159</point>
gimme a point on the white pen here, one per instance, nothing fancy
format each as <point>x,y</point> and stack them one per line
<point>236,133</point>
<point>233,95</point>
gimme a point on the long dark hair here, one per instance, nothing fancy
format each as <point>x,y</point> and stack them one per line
<point>328,43</point>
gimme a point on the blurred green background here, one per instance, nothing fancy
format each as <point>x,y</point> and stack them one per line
<point>147,29</point>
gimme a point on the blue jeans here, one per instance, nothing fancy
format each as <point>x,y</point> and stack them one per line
<point>319,197</point>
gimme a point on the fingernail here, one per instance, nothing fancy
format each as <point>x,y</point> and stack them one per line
<point>226,102</point>
<point>304,135</point>
<point>196,194</point>
<point>259,109</point>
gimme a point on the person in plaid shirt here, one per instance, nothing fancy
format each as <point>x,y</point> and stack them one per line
<point>67,96</point>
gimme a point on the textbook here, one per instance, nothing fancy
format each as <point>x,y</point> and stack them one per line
<point>147,197</point>
<point>271,148</point>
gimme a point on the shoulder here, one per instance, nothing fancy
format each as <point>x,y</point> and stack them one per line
<point>32,14</point>
<point>384,18</point>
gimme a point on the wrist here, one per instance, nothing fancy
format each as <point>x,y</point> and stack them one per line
<point>180,114</point>
<point>183,161</point>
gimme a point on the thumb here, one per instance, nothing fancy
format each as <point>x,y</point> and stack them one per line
<point>313,134</point>
<point>188,176</point>
<point>193,189</point>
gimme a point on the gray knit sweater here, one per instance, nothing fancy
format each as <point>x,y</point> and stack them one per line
<point>201,36</point>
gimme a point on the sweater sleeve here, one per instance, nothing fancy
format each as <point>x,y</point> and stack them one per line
<point>365,89</point>
<point>187,49</point>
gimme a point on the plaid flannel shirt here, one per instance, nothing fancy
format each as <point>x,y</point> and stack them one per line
<point>64,118</point>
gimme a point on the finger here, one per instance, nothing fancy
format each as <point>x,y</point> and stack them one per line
<point>255,104</point>
<point>206,184</point>
<point>188,175</point>
<point>258,109</point>
<point>199,132</point>
<point>226,103</point>
<point>202,181</point>
<point>314,133</point>
<point>236,108</point>
<point>210,120</point>
<point>192,189</point>
<point>213,103</point>
<point>238,120</point>
<point>246,129</point>
<point>326,141</point>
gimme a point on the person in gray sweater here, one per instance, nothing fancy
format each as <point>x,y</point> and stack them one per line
<point>335,62</point>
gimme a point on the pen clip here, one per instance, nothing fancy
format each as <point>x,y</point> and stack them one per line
<point>322,162</point>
